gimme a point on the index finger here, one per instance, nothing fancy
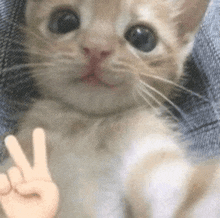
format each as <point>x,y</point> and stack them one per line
<point>18,155</point>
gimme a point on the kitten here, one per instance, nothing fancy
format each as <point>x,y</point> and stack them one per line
<point>103,68</point>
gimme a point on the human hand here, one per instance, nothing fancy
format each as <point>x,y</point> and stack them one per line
<point>28,191</point>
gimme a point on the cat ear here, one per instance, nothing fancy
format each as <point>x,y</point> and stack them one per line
<point>189,17</point>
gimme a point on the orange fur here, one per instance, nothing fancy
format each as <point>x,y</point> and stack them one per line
<point>107,145</point>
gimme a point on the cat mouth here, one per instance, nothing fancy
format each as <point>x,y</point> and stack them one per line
<point>93,75</point>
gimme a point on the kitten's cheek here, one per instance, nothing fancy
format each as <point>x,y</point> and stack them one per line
<point>114,79</point>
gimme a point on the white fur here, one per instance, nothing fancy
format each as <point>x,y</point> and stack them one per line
<point>145,13</point>
<point>166,187</point>
<point>87,11</point>
<point>145,147</point>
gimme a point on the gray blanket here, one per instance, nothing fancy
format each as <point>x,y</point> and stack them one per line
<point>199,119</point>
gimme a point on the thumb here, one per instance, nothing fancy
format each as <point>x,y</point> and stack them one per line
<point>46,190</point>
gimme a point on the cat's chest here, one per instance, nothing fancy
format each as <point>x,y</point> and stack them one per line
<point>89,177</point>
<point>91,166</point>
<point>104,149</point>
<point>92,152</point>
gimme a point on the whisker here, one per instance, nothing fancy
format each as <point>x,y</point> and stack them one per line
<point>39,71</point>
<point>22,66</point>
<point>24,46</point>
<point>159,103</point>
<point>29,52</point>
<point>134,94</point>
<point>68,57</point>
<point>168,100</point>
<point>150,95</point>
<point>177,85</point>
<point>40,38</point>
<point>25,29</point>
<point>44,53</point>
<point>168,81</point>
<point>121,64</point>
<point>162,95</point>
<point>147,101</point>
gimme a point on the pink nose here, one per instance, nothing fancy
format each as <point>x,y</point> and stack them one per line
<point>98,45</point>
<point>100,54</point>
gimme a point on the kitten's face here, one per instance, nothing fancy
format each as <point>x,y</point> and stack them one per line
<point>103,56</point>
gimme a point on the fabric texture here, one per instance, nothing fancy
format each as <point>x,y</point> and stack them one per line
<point>201,124</point>
<point>199,118</point>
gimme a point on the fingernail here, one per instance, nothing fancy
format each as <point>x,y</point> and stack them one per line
<point>8,139</point>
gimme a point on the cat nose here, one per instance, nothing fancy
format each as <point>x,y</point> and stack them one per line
<point>98,46</point>
<point>98,53</point>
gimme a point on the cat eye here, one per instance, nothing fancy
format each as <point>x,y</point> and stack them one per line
<point>141,37</point>
<point>63,21</point>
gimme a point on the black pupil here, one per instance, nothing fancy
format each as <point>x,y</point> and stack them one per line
<point>63,22</point>
<point>142,38</point>
<point>139,37</point>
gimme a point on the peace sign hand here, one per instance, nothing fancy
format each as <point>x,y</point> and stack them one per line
<point>29,191</point>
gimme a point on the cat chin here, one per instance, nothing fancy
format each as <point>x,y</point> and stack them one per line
<point>100,103</point>
<point>92,100</point>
